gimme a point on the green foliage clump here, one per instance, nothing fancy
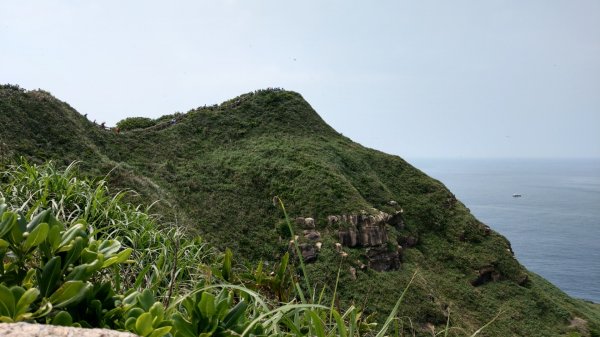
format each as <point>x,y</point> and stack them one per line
<point>49,267</point>
<point>132,123</point>
<point>158,248</point>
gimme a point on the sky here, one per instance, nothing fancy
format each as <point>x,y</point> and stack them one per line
<point>419,79</point>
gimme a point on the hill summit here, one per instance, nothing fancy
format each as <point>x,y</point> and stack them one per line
<point>370,215</point>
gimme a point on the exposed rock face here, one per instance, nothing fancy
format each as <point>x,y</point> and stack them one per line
<point>352,273</point>
<point>309,252</point>
<point>369,231</point>
<point>332,219</point>
<point>42,330</point>
<point>309,223</point>
<point>580,325</point>
<point>311,239</point>
<point>348,237</point>
<point>312,235</point>
<point>524,280</point>
<point>372,236</point>
<point>397,220</point>
<point>364,230</point>
<point>486,274</point>
<point>382,259</point>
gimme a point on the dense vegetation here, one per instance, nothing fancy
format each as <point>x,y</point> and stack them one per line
<point>75,256</point>
<point>215,173</point>
<point>133,123</point>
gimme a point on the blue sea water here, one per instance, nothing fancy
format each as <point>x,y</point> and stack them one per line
<point>554,228</point>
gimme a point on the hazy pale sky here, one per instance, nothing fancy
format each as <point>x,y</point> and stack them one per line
<point>414,78</point>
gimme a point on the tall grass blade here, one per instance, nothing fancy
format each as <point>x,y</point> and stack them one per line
<point>394,311</point>
<point>486,325</point>
<point>296,247</point>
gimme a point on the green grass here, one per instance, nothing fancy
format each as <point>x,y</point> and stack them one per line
<point>216,171</point>
<point>31,188</point>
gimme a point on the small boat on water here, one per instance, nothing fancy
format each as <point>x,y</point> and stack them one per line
<point>517,195</point>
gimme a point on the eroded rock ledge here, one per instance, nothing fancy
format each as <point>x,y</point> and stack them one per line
<point>369,231</point>
<point>362,230</point>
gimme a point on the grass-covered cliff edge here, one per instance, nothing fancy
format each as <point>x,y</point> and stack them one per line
<point>217,169</point>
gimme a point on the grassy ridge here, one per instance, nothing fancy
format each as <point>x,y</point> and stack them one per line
<point>217,169</point>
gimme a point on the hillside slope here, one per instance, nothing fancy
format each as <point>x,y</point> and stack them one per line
<point>376,218</point>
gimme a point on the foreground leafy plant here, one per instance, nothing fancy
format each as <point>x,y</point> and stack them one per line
<point>47,265</point>
<point>167,256</point>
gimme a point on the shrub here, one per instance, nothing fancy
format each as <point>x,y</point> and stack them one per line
<point>49,267</point>
<point>72,199</point>
<point>132,123</point>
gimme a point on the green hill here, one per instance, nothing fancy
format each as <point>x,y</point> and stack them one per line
<point>376,218</point>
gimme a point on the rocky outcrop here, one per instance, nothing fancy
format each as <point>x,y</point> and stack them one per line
<point>348,237</point>
<point>307,223</point>
<point>369,231</point>
<point>309,243</point>
<point>486,274</point>
<point>309,252</point>
<point>362,230</point>
<point>397,220</point>
<point>352,271</point>
<point>487,230</point>
<point>42,330</point>
<point>372,236</point>
<point>523,280</point>
<point>384,259</point>
<point>489,273</point>
<point>312,235</point>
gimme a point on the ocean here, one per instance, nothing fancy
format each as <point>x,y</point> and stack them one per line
<point>554,228</point>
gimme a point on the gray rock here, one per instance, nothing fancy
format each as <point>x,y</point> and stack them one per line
<point>397,220</point>
<point>309,253</point>
<point>382,259</point>
<point>486,274</point>
<point>43,330</point>
<point>312,235</point>
<point>372,235</point>
<point>309,223</point>
<point>353,273</point>
<point>363,230</point>
<point>487,230</point>
<point>348,237</point>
